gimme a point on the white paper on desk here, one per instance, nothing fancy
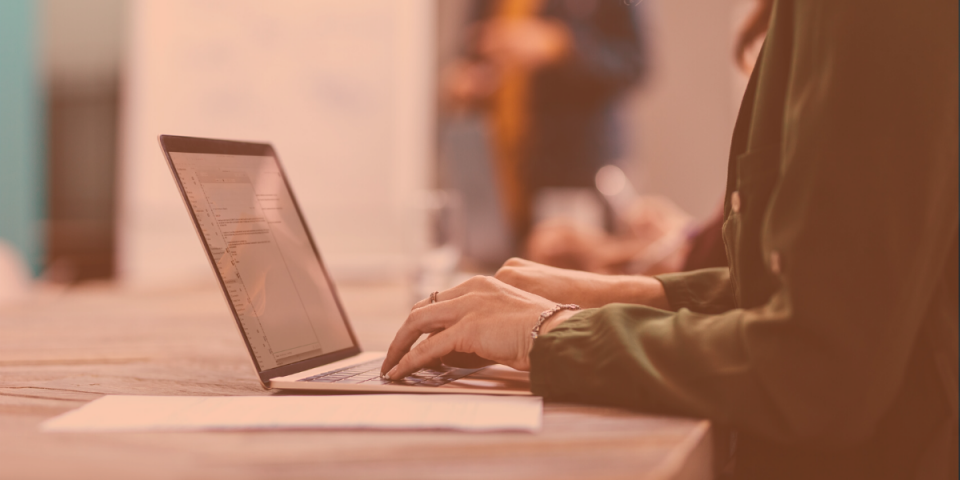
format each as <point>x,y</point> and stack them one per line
<point>114,413</point>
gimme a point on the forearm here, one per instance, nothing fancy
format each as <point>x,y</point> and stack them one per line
<point>589,290</point>
<point>635,289</point>
<point>708,290</point>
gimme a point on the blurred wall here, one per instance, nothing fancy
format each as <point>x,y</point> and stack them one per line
<point>22,166</point>
<point>681,122</point>
<point>344,91</point>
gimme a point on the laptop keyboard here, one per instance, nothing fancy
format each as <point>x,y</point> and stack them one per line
<point>369,374</point>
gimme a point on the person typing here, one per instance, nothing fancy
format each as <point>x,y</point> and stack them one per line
<point>829,344</point>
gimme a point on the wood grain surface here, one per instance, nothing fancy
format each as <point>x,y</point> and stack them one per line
<point>62,348</point>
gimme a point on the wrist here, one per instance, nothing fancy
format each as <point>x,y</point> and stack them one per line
<point>559,315</point>
<point>640,290</point>
<point>556,319</point>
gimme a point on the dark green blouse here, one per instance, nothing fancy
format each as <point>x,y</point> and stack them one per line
<point>830,344</point>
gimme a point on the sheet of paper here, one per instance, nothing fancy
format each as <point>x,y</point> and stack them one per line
<point>114,413</point>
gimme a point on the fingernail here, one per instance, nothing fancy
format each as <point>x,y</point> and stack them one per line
<point>389,375</point>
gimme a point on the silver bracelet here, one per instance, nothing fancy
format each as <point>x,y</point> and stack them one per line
<point>549,313</point>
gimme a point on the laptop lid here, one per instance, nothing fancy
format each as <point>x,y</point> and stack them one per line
<point>257,241</point>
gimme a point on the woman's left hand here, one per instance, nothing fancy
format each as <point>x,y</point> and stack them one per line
<point>482,316</point>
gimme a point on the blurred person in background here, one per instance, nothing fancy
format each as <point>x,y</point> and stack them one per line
<point>659,236</point>
<point>547,74</point>
<point>829,345</point>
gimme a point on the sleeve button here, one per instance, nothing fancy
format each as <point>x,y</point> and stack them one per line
<point>735,201</point>
<point>775,262</point>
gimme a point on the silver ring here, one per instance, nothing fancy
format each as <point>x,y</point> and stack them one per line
<point>433,297</point>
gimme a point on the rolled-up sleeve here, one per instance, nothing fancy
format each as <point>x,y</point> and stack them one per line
<point>706,291</point>
<point>628,356</point>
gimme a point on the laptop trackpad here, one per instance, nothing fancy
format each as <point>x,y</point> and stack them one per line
<point>494,377</point>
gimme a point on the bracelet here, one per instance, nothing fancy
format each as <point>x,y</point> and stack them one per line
<point>549,313</point>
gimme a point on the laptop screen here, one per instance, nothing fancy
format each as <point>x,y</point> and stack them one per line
<point>280,293</point>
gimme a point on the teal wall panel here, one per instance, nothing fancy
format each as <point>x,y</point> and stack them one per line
<point>22,172</point>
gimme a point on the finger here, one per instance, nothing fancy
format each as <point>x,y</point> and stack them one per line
<point>428,319</point>
<point>514,271</point>
<point>465,360</point>
<point>506,273</point>
<point>428,351</point>
<point>439,363</point>
<point>426,301</point>
<point>517,262</point>
<point>451,293</point>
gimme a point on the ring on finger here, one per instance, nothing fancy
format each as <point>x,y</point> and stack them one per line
<point>433,297</point>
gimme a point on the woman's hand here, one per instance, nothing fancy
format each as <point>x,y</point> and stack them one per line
<point>589,290</point>
<point>481,316</point>
<point>492,317</point>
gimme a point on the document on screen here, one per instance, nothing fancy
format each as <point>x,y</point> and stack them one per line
<point>116,413</point>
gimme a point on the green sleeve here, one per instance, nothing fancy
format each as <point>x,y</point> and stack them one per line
<point>707,291</point>
<point>863,220</point>
<point>644,358</point>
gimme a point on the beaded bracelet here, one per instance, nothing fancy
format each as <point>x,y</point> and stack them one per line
<point>549,313</point>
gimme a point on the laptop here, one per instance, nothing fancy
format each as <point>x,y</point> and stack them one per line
<point>271,273</point>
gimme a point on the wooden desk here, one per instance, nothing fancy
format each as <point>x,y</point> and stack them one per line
<point>59,350</point>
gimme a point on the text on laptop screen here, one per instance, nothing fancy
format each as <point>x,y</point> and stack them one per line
<point>262,253</point>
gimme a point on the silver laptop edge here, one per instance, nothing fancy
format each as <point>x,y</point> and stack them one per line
<point>249,223</point>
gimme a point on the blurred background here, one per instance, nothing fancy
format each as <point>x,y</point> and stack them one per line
<point>425,139</point>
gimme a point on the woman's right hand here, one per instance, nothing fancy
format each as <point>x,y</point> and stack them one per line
<point>589,290</point>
